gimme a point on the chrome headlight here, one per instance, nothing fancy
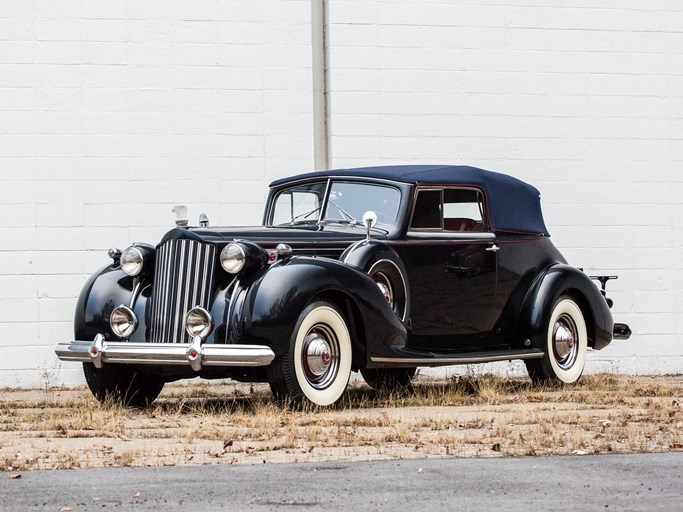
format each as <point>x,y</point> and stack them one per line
<point>198,322</point>
<point>243,257</point>
<point>233,258</point>
<point>132,261</point>
<point>123,321</point>
<point>136,259</point>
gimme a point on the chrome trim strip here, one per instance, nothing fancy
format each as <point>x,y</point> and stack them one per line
<point>338,177</point>
<point>425,361</point>
<point>166,353</point>
<point>233,296</point>
<point>179,295</point>
<point>353,247</point>
<point>326,199</point>
<point>450,235</point>
<point>137,288</point>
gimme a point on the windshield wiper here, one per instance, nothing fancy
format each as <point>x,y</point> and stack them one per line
<point>304,216</point>
<point>352,223</point>
<point>351,218</point>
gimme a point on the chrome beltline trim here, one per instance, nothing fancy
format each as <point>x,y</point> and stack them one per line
<point>164,353</point>
<point>425,361</point>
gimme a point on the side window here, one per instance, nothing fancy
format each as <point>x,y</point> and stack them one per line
<point>463,210</point>
<point>450,209</point>
<point>427,213</point>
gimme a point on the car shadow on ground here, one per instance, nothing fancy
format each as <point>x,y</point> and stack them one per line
<point>451,392</point>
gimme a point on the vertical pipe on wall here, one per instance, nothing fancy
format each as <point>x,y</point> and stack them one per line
<point>319,65</point>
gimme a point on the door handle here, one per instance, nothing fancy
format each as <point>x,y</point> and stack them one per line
<point>493,248</point>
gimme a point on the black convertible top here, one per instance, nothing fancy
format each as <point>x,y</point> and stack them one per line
<point>513,205</point>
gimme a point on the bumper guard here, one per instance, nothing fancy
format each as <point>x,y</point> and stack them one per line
<point>622,332</point>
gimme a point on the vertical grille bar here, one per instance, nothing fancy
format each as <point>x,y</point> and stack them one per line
<point>183,279</point>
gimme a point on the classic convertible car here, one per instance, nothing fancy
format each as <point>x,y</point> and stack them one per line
<point>379,270</point>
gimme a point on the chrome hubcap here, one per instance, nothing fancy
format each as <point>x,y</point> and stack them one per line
<point>565,341</point>
<point>384,286</point>
<point>320,356</point>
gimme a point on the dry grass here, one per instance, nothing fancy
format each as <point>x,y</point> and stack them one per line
<point>218,423</point>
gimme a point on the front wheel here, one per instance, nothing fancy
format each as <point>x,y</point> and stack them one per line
<point>121,384</point>
<point>566,343</point>
<point>317,366</point>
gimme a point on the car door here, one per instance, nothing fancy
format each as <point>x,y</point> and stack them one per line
<point>451,258</point>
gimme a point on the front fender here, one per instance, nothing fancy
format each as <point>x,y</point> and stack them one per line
<point>102,292</point>
<point>275,301</point>
<point>557,280</point>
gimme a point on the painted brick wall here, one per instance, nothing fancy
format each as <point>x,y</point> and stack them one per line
<point>583,99</point>
<point>111,113</point>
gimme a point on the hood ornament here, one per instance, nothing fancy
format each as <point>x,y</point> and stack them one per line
<point>180,212</point>
<point>203,220</point>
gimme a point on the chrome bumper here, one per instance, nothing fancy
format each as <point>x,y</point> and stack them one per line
<point>195,354</point>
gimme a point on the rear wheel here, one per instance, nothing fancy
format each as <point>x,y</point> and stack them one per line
<point>388,380</point>
<point>122,384</point>
<point>316,368</point>
<point>566,346</point>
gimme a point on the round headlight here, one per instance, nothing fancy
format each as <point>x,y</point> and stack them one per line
<point>132,261</point>
<point>198,322</point>
<point>233,258</point>
<point>123,321</point>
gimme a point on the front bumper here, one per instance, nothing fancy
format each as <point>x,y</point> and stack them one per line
<point>195,354</point>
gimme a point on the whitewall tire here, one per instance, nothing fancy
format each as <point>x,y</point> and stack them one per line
<point>317,367</point>
<point>566,345</point>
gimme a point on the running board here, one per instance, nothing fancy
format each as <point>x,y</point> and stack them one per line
<point>473,358</point>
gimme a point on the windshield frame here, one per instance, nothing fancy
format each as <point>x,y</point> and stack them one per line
<point>320,223</point>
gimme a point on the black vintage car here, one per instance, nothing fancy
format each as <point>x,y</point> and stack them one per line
<point>379,270</point>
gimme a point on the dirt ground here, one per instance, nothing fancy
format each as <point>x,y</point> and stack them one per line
<point>208,423</point>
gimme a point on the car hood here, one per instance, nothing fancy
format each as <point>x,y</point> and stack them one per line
<point>270,236</point>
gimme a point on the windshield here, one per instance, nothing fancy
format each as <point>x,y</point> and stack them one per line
<point>299,204</point>
<point>349,201</point>
<point>346,203</point>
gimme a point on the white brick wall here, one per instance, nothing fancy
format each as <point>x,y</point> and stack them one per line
<point>112,112</point>
<point>583,99</point>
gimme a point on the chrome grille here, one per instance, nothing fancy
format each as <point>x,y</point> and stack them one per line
<point>183,279</point>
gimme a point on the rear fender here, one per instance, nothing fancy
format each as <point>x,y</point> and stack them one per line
<point>558,280</point>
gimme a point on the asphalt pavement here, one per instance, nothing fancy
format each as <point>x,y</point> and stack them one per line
<point>576,483</point>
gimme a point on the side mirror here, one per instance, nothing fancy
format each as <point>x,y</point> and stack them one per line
<point>369,221</point>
